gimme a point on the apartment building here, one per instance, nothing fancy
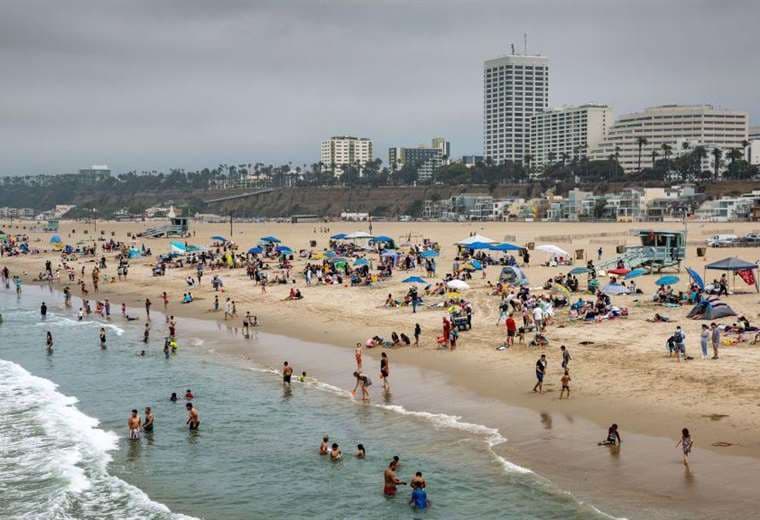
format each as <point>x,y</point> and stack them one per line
<point>344,150</point>
<point>568,132</point>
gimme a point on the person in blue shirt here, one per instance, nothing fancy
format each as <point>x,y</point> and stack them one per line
<point>419,498</point>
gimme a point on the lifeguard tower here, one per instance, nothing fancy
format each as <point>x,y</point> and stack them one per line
<point>52,226</point>
<point>178,226</point>
<point>658,250</point>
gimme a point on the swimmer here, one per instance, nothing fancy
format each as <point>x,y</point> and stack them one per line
<point>324,447</point>
<point>188,395</point>
<point>613,437</point>
<point>149,418</point>
<point>417,481</point>
<point>102,337</point>
<point>173,397</point>
<point>134,424</point>
<point>49,342</point>
<point>385,371</point>
<point>287,373</point>
<point>391,481</point>
<point>361,453</point>
<point>193,420</point>
<point>142,353</point>
<point>302,377</point>
<point>335,453</point>
<point>146,333</point>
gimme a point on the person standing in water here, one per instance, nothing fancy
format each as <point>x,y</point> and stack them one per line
<point>146,333</point>
<point>686,443</point>
<point>149,418</point>
<point>540,372</point>
<point>391,481</point>
<point>358,356</point>
<point>102,337</point>
<point>134,424</point>
<point>565,380</point>
<point>147,308</point>
<point>43,310</point>
<point>385,371</point>
<point>287,373</point>
<point>193,419</point>
<point>49,342</point>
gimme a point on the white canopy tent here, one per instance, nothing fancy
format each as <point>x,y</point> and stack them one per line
<point>474,239</point>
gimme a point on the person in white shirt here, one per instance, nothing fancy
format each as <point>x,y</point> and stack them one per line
<point>538,317</point>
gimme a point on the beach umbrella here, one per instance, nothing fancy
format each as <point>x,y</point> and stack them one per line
<point>271,239</point>
<point>504,247</point>
<point>256,250</point>
<point>552,250</point>
<point>429,253</point>
<point>415,279</point>
<point>475,264</point>
<point>383,238</point>
<point>668,279</point>
<point>358,234</point>
<point>614,289</point>
<point>558,288</point>
<point>619,271</point>
<point>218,238</point>
<point>390,253</point>
<point>695,276</point>
<point>478,245</point>
<point>283,249</point>
<point>635,273</point>
<point>336,259</point>
<point>457,285</point>
<point>579,270</point>
<point>339,236</point>
<point>55,239</point>
<point>359,262</point>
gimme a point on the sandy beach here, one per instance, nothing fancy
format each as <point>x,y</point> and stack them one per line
<point>621,373</point>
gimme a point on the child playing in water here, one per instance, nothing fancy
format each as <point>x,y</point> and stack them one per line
<point>686,444</point>
<point>565,380</point>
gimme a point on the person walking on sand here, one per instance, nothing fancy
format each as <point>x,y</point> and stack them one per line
<point>417,334</point>
<point>541,365</point>
<point>147,308</point>
<point>565,380</point>
<point>385,371</point>
<point>686,443</point>
<point>565,357</point>
<point>715,336</point>
<point>704,339</point>
<point>358,356</point>
<point>680,340</point>
<point>511,330</point>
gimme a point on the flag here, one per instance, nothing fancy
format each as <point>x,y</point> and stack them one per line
<point>747,275</point>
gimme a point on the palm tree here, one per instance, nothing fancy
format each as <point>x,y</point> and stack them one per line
<point>528,158</point>
<point>667,150</point>
<point>564,156</point>
<point>654,155</point>
<point>552,156</point>
<point>734,154</point>
<point>617,153</point>
<point>745,147</point>
<point>717,154</point>
<point>641,141</point>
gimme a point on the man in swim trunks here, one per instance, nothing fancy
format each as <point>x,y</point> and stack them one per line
<point>134,424</point>
<point>540,372</point>
<point>148,424</point>
<point>391,480</point>
<point>417,481</point>
<point>193,419</point>
<point>287,373</point>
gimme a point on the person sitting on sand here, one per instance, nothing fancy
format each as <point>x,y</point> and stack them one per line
<point>395,341</point>
<point>658,318</point>
<point>613,437</point>
<point>390,302</point>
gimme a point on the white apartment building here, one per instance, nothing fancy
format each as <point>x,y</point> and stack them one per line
<point>514,88</point>
<point>754,145</point>
<point>345,150</point>
<point>673,125</point>
<point>568,131</point>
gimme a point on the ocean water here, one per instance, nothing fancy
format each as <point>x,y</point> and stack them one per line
<point>65,452</point>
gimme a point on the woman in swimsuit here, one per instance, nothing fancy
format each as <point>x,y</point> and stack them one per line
<point>384,371</point>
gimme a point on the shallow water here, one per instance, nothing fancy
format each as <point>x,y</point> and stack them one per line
<point>67,455</point>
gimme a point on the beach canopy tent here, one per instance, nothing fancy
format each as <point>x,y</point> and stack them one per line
<point>613,289</point>
<point>478,245</point>
<point>358,235</point>
<point>696,278</point>
<point>738,266</point>
<point>579,270</point>
<point>257,250</point>
<point>182,248</point>
<point>271,239</point>
<point>711,309</point>
<point>513,275</point>
<point>338,236</point>
<point>382,238</point>
<point>668,279</point>
<point>55,239</point>
<point>475,239</point>
<point>429,253</point>
<point>218,238</point>
<point>457,285</point>
<point>635,273</point>
<point>505,246</point>
<point>415,279</point>
<point>552,250</point>
<point>283,250</point>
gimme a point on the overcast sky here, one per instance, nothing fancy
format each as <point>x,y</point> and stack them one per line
<point>189,83</point>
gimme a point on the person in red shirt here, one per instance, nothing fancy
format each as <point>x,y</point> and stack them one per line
<point>511,330</point>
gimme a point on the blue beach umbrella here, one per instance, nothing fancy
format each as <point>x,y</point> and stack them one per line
<point>415,279</point>
<point>429,253</point>
<point>359,262</point>
<point>695,276</point>
<point>271,239</point>
<point>339,236</point>
<point>256,250</point>
<point>390,253</point>
<point>579,270</point>
<point>635,273</point>
<point>283,249</point>
<point>668,279</point>
<point>218,238</point>
<point>383,238</point>
<point>55,239</point>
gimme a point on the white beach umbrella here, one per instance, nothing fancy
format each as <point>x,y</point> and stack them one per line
<point>552,250</point>
<point>457,285</point>
<point>358,234</point>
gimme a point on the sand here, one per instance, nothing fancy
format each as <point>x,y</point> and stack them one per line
<point>623,375</point>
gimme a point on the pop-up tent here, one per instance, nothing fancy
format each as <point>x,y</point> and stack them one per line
<point>711,309</point>
<point>474,239</point>
<point>513,275</point>
<point>745,270</point>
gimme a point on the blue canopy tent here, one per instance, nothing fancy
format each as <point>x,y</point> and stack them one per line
<point>218,238</point>
<point>668,279</point>
<point>478,245</point>
<point>360,262</point>
<point>382,238</point>
<point>271,239</point>
<point>415,279</point>
<point>338,236</point>
<point>579,270</point>
<point>735,265</point>
<point>257,250</point>
<point>504,247</point>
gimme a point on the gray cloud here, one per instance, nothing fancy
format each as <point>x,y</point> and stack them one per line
<point>188,83</point>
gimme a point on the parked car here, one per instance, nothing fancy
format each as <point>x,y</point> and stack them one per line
<point>722,240</point>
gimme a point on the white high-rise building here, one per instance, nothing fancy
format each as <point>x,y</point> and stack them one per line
<point>567,132</point>
<point>681,127</point>
<point>340,151</point>
<point>514,88</point>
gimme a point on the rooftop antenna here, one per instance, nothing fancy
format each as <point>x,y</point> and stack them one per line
<point>513,48</point>
<point>525,43</point>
